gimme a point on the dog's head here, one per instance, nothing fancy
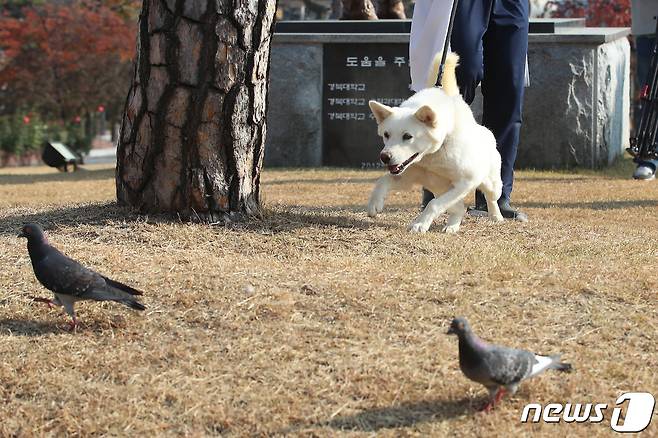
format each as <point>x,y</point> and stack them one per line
<point>409,134</point>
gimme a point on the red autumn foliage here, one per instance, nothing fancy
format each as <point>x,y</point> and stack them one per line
<point>65,59</point>
<point>599,13</point>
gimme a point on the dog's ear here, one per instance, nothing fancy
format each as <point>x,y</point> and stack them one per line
<point>426,115</point>
<point>379,110</point>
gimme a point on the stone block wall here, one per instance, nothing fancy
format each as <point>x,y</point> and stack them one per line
<point>576,110</point>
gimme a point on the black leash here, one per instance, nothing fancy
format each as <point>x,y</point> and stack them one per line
<point>446,45</point>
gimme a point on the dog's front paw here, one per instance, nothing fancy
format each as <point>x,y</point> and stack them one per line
<point>419,226</point>
<point>375,206</point>
<point>451,229</point>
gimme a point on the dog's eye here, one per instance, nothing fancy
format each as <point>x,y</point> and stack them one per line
<point>386,135</point>
<point>407,136</point>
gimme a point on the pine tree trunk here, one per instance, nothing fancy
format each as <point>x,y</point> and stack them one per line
<point>193,129</point>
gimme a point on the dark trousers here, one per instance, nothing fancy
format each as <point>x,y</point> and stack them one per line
<point>491,39</point>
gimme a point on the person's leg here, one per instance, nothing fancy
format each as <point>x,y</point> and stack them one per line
<point>505,48</point>
<point>471,20</point>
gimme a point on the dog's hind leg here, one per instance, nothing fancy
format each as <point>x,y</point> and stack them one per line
<point>439,205</point>
<point>494,210</point>
<point>492,195</point>
<point>456,214</point>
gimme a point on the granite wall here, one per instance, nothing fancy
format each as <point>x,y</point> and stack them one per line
<point>294,120</point>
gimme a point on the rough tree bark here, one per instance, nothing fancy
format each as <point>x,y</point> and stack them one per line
<point>193,129</point>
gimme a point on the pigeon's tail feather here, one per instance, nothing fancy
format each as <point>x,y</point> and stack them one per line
<point>543,363</point>
<point>560,366</point>
<point>122,287</point>
<point>134,304</point>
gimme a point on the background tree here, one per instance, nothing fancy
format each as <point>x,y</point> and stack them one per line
<point>59,62</point>
<point>62,60</point>
<point>193,129</point>
<point>613,13</point>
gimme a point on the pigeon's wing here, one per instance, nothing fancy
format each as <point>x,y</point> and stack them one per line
<point>64,275</point>
<point>105,293</point>
<point>123,287</point>
<point>508,366</point>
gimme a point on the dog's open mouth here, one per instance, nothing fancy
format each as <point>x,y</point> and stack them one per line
<point>396,169</point>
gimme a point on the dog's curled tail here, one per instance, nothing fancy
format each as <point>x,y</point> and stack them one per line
<point>449,78</point>
<point>434,73</point>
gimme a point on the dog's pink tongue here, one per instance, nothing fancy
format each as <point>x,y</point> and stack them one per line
<point>394,168</point>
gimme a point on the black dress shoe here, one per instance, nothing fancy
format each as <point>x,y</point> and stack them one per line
<point>481,210</point>
<point>506,210</point>
<point>511,213</point>
<point>427,197</point>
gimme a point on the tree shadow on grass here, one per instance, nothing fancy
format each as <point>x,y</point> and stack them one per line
<point>89,214</point>
<point>405,414</point>
<point>560,180</point>
<point>56,321</point>
<point>317,181</point>
<point>22,327</point>
<point>597,205</point>
<point>291,217</point>
<point>80,175</point>
<point>283,218</point>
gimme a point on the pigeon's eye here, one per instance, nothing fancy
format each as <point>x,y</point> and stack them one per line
<point>387,135</point>
<point>407,136</point>
<point>27,230</point>
<point>460,326</point>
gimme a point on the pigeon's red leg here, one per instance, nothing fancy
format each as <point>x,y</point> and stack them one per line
<point>44,300</point>
<point>73,325</point>
<point>487,407</point>
<point>499,394</point>
<point>493,400</point>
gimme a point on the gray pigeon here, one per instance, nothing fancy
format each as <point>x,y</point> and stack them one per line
<point>69,280</point>
<point>499,369</point>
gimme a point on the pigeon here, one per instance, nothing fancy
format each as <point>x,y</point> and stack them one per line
<point>69,280</point>
<point>499,369</point>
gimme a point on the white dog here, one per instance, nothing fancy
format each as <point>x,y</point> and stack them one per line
<point>432,140</point>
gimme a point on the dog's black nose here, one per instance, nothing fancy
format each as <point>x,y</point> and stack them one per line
<point>385,157</point>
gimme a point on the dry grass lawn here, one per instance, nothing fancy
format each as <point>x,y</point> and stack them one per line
<point>318,321</point>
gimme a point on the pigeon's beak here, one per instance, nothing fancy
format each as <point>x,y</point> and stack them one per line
<point>450,331</point>
<point>21,234</point>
